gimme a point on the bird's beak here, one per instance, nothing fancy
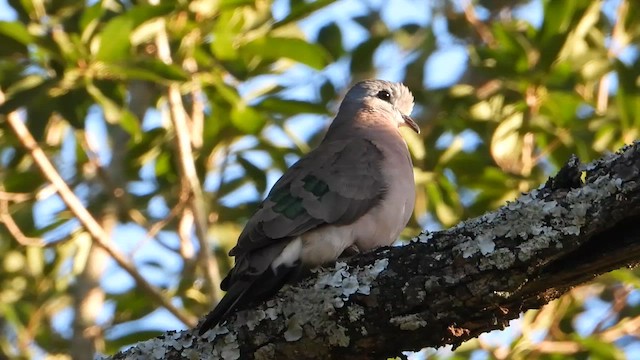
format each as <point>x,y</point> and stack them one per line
<point>408,121</point>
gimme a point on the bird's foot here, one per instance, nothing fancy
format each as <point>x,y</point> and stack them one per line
<point>349,252</point>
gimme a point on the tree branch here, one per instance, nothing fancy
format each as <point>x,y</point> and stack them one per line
<point>12,226</point>
<point>445,287</point>
<point>74,204</point>
<point>179,119</point>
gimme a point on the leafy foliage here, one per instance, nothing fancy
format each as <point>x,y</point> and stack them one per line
<point>105,87</point>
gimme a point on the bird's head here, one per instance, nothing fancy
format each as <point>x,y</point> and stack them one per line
<point>392,99</point>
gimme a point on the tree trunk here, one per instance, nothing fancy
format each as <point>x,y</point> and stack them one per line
<point>444,287</point>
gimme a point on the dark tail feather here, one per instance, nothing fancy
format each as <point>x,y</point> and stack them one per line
<point>243,293</point>
<point>228,303</point>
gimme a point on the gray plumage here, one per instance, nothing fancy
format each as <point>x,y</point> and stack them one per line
<point>354,191</point>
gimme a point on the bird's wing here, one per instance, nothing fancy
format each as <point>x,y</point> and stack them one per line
<point>336,183</point>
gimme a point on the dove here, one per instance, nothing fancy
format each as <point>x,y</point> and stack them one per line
<point>353,193</point>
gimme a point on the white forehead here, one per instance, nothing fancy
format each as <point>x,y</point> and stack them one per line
<point>401,97</point>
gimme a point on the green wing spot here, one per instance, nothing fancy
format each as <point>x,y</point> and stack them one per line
<point>294,209</point>
<point>286,204</point>
<point>279,195</point>
<point>315,186</point>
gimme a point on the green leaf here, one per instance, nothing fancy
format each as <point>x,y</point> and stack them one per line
<point>302,9</point>
<point>115,38</point>
<point>362,56</point>
<point>246,118</point>
<point>561,107</point>
<point>22,182</point>
<point>628,96</point>
<point>16,31</point>
<point>90,18</point>
<point>443,211</point>
<point>143,69</point>
<point>232,4</point>
<point>114,113</point>
<point>290,107</point>
<point>25,92</point>
<point>599,349</point>
<point>226,92</point>
<point>558,16</point>
<point>22,214</point>
<point>223,46</point>
<point>330,37</point>
<point>605,136</point>
<point>255,173</point>
<point>226,31</point>
<point>230,186</point>
<point>164,168</point>
<point>299,50</point>
<point>129,123</point>
<point>327,92</point>
<point>145,148</point>
<point>131,305</point>
<point>513,51</point>
<point>74,106</point>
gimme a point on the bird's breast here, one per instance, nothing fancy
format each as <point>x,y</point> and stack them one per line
<point>381,225</point>
<point>384,223</point>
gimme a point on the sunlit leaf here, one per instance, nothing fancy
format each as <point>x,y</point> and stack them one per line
<point>290,107</point>
<point>115,42</point>
<point>14,37</point>
<point>247,119</point>
<point>146,69</point>
<point>507,143</point>
<point>274,48</point>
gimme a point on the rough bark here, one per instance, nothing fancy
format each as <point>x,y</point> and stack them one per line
<point>445,287</point>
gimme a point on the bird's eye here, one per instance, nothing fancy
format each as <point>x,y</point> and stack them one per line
<point>384,95</point>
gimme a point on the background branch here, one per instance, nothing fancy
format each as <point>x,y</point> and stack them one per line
<point>77,208</point>
<point>178,115</point>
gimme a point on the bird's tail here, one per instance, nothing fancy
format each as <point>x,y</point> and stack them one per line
<point>245,292</point>
<point>228,303</point>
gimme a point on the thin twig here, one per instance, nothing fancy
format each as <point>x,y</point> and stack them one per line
<point>528,142</point>
<point>629,326</point>
<point>14,197</point>
<point>226,151</point>
<point>184,234</point>
<point>602,99</point>
<point>481,28</point>
<point>159,225</point>
<point>618,43</point>
<point>14,229</point>
<point>620,296</point>
<point>197,105</point>
<point>116,191</point>
<point>74,204</point>
<point>557,347</point>
<point>187,167</point>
